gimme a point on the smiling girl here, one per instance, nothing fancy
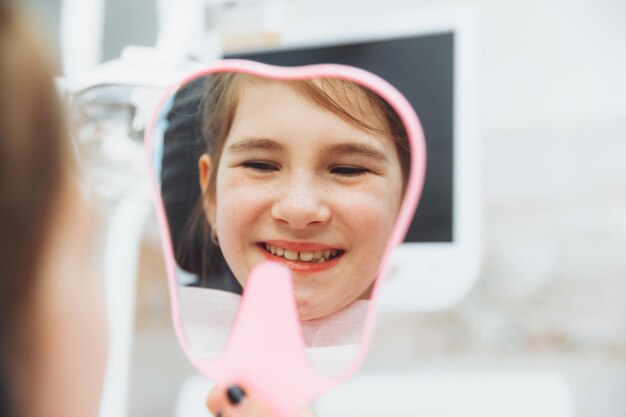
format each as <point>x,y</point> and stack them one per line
<point>306,173</point>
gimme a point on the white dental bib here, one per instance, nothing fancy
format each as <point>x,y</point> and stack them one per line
<point>331,341</point>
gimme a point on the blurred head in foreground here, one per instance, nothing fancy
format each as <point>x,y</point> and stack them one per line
<point>52,334</point>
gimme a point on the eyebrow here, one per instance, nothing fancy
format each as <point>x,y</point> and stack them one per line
<point>358,149</point>
<point>339,148</point>
<point>256,143</point>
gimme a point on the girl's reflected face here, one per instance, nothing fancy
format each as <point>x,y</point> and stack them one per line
<point>299,185</point>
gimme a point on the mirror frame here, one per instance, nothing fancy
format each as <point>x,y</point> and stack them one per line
<point>250,358</point>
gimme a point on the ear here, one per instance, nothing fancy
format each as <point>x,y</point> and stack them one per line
<point>208,198</point>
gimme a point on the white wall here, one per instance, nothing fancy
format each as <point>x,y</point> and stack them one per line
<point>554,117</point>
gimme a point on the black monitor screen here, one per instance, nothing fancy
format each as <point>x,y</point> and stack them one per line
<point>422,68</point>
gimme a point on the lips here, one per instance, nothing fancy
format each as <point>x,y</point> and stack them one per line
<point>301,256</point>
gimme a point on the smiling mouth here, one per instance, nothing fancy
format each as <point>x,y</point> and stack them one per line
<point>310,257</point>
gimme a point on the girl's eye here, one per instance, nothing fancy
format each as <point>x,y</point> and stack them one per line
<point>260,166</point>
<point>348,171</point>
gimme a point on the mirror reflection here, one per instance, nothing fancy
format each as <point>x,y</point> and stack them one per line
<point>308,173</point>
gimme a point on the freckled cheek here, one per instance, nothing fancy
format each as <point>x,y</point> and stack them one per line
<point>369,217</point>
<point>371,213</point>
<point>240,207</point>
<point>237,215</point>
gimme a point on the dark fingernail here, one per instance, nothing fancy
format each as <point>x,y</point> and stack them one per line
<point>235,394</point>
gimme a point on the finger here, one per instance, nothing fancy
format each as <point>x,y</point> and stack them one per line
<point>216,399</point>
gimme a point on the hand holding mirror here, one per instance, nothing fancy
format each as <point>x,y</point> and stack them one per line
<point>290,186</point>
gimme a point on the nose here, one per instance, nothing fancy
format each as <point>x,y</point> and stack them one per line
<point>301,205</point>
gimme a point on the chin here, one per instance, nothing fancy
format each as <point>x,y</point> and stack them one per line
<point>306,310</point>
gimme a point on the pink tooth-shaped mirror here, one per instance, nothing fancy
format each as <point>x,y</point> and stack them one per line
<point>280,195</point>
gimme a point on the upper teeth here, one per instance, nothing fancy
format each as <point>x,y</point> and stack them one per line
<point>304,256</point>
